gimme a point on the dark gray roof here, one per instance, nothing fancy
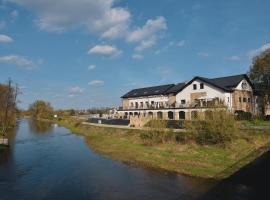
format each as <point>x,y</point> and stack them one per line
<point>176,88</point>
<point>224,83</point>
<point>148,91</point>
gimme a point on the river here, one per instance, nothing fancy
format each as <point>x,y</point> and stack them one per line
<point>46,161</point>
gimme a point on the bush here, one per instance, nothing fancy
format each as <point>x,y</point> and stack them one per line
<point>242,115</point>
<point>156,132</point>
<point>221,129</point>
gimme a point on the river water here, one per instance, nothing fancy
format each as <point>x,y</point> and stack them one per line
<point>47,161</point>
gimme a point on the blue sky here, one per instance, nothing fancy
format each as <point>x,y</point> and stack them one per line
<point>87,53</point>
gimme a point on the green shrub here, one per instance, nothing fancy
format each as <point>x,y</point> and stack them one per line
<point>156,132</point>
<point>221,129</point>
<point>242,115</point>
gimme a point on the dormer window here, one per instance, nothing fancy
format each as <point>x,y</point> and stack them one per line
<point>156,91</point>
<point>194,87</point>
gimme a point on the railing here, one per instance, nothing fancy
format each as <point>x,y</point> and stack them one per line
<point>194,104</point>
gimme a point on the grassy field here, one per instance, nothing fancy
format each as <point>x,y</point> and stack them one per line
<point>191,159</point>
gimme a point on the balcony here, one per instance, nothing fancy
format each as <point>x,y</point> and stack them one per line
<point>197,103</point>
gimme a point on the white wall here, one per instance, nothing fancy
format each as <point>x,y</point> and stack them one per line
<point>239,86</point>
<point>148,99</point>
<point>211,92</point>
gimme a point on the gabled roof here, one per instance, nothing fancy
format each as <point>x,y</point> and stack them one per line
<point>226,83</point>
<point>148,91</point>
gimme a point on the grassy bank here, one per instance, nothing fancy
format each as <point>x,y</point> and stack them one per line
<point>190,158</point>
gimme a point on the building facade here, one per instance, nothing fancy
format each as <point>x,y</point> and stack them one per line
<point>191,99</point>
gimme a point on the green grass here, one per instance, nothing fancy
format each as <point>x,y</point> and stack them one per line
<point>190,159</point>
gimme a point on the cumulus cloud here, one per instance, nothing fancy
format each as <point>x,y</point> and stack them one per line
<point>259,50</point>
<point>147,35</point>
<point>76,90</point>
<point>5,38</point>
<point>233,58</point>
<point>100,17</point>
<point>91,67</point>
<point>97,16</point>
<point>137,56</point>
<point>105,50</point>
<point>19,61</point>
<point>148,30</point>
<point>96,83</point>
<point>146,44</point>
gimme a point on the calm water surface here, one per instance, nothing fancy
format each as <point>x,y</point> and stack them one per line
<point>49,162</point>
<point>46,161</point>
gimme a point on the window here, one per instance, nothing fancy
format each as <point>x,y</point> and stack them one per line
<point>136,104</point>
<point>244,99</point>
<point>141,104</point>
<point>132,104</point>
<point>240,100</point>
<point>201,86</point>
<point>194,87</point>
<point>228,99</point>
<point>244,85</point>
<point>249,100</point>
<point>183,101</point>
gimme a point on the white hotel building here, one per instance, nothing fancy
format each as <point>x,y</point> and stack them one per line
<point>190,99</point>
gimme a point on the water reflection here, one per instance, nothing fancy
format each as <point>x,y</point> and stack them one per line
<point>40,127</point>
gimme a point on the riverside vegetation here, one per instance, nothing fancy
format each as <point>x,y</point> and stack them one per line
<point>213,148</point>
<point>8,108</point>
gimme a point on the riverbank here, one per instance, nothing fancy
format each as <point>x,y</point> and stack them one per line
<point>191,159</point>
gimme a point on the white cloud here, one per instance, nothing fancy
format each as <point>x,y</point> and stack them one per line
<point>171,44</point>
<point>148,30</point>
<point>96,83</point>
<point>146,44</point>
<point>76,90</point>
<point>181,43</point>
<point>147,35</point>
<point>137,56</point>
<point>105,50</point>
<point>19,61</point>
<point>91,67</point>
<point>234,58</point>
<point>203,54</point>
<point>261,49</point>
<point>5,38</point>
<point>99,17</point>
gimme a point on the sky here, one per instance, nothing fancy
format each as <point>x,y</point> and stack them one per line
<point>88,53</point>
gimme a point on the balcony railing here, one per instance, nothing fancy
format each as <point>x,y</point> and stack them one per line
<point>166,105</point>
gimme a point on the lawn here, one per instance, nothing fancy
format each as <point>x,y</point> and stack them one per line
<point>191,159</point>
